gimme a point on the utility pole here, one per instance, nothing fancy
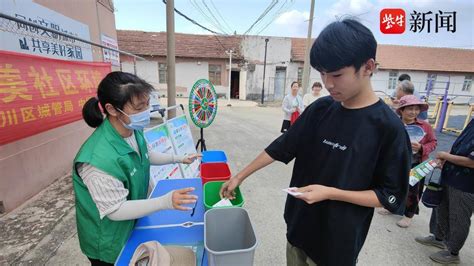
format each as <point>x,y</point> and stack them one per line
<point>230,72</point>
<point>171,61</point>
<point>264,67</point>
<point>305,79</point>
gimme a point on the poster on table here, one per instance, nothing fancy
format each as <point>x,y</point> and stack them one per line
<point>158,140</point>
<point>182,139</point>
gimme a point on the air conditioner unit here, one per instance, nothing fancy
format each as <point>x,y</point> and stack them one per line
<point>251,67</point>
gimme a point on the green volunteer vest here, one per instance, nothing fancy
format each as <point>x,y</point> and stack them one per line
<point>106,150</point>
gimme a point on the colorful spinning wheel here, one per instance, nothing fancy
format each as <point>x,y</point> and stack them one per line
<point>202,103</point>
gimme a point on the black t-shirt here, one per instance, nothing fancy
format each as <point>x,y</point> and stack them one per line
<point>460,177</point>
<point>350,149</point>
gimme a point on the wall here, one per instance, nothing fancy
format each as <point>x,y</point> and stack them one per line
<point>278,55</point>
<point>419,79</point>
<point>188,71</point>
<point>29,165</point>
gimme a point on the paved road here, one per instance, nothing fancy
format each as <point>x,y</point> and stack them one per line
<point>242,132</point>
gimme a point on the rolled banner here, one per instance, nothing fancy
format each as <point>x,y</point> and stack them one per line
<point>420,171</point>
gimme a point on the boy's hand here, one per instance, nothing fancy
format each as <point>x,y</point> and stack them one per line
<point>182,197</point>
<point>227,189</point>
<point>314,193</point>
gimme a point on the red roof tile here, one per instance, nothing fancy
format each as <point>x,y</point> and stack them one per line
<point>410,57</point>
<point>187,45</point>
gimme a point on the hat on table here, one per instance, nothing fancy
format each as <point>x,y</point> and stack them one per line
<point>152,253</point>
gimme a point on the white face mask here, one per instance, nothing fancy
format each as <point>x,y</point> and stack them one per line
<point>138,121</point>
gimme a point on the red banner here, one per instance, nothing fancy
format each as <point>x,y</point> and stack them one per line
<point>37,93</point>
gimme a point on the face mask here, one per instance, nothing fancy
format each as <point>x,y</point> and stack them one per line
<point>138,121</point>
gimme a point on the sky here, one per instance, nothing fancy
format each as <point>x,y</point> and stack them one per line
<point>289,18</point>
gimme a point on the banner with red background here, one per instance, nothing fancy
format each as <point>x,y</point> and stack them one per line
<point>38,93</point>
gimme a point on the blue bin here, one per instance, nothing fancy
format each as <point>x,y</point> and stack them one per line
<point>213,157</point>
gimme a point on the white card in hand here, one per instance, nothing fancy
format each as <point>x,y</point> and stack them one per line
<point>223,203</point>
<point>292,191</point>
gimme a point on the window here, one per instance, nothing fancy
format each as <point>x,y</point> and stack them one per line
<point>215,74</point>
<point>300,75</point>
<point>162,73</point>
<point>467,83</point>
<point>392,80</point>
<point>430,81</point>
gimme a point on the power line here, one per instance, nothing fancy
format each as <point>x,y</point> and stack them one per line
<point>192,20</point>
<point>219,14</point>
<point>277,14</point>
<point>265,12</point>
<point>225,49</point>
<point>208,18</point>
<point>214,17</point>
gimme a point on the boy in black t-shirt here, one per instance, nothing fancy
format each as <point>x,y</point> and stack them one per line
<point>351,153</point>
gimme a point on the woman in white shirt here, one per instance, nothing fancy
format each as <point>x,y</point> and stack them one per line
<point>291,103</point>
<point>317,92</point>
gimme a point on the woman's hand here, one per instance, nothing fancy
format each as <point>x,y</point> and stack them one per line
<point>181,197</point>
<point>415,147</point>
<point>441,158</point>
<point>191,158</point>
<point>314,193</point>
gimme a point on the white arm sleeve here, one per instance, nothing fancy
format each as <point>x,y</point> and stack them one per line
<point>110,196</point>
<point>134,209</point>
<point>286,105</point>
<point>158,158</point>
<point>301,104</point>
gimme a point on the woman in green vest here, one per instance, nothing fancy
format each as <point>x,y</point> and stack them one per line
<point>111,170</point>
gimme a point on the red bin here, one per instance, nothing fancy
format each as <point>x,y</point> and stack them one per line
<point>215,172</point>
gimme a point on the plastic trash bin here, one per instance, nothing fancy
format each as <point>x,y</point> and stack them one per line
<point>211,195</point>
<point>214,172</point>
<point>229,237</point>
<point>214,157</point>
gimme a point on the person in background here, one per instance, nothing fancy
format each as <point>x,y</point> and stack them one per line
<point>317,92</point>
<point>291,103</point>
<point>453,218</point>
<point>406,89</point>
<point>403,77</point>
<point>409,109</point>
<point>111,171</point>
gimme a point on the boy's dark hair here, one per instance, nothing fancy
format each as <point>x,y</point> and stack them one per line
<point>117,88</point>
<point>403,77</point>
<point>317,84</point>
<point>293,83</point>
<point>343,44</point>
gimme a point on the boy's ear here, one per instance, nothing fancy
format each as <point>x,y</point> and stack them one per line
<point>369,67</point>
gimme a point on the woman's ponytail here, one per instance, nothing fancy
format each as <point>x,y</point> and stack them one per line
<point>91,113</point>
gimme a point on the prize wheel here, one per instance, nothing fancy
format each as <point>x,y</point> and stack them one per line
<point>202,103</point>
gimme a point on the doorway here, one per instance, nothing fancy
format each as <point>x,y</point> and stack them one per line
<point>234,84</point>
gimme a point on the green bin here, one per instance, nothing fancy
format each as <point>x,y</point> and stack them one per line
<point>211,195</point>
